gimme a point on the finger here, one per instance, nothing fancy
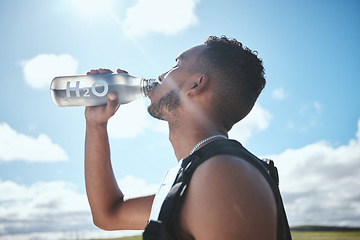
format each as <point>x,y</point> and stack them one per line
<point>121,71</point>
<point>92,71</point>
<point>104,71</point>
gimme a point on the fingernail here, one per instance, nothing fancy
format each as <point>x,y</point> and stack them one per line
<point>112,97</point>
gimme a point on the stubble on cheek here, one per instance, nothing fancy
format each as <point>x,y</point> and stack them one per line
<point>166,104</point>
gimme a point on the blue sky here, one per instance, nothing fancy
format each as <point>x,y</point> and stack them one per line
<point>307,119</point>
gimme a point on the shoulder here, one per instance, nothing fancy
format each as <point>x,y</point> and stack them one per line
<point>228,198</point>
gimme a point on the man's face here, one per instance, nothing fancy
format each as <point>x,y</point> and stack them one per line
<point>166,97</point>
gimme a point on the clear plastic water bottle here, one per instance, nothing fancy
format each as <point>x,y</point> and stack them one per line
<point>92,90</point>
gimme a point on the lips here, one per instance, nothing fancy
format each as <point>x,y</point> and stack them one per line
<point>150,93</point>
<point>154,85</point>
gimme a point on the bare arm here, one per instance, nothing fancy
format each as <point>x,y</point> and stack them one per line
<point>228,199</point>
<point>109,210</point>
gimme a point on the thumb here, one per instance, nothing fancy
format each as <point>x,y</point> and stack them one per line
<point>112,104</point>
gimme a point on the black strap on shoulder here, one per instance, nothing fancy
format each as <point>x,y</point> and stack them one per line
<point>166,227</point>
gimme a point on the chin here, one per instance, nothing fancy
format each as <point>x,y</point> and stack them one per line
<point>154,112</point>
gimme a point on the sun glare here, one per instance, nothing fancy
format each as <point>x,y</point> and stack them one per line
<point>91,7</point>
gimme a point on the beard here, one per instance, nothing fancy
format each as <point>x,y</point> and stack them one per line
<point>166,104</point>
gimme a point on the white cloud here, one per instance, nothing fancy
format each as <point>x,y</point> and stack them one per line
<point>41,70</point>
<point>46,209</point>
<point>136,187</point>
<point>129,121</point>
<point>40,199</point>
<point>161,16</point>
<point>41,207</point>
<point>279,94</point>
<point>320,183</point>
<point>257,120</point>
<point>17,146</point>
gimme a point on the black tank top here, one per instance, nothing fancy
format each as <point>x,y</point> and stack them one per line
<point>166,227</point>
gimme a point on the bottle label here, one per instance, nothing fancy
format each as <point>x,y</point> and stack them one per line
<point>99,88</point>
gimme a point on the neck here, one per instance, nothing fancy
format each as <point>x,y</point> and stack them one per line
<point>185,139</point>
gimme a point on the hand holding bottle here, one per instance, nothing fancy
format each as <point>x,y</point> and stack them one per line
<point>101,114</point>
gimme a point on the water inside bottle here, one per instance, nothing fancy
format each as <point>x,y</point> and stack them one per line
<point>125,94</point>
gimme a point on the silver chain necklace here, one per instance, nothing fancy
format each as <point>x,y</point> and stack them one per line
<point>205,140</point>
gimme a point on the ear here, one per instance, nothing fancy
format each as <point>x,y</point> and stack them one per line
<point>199,85</point>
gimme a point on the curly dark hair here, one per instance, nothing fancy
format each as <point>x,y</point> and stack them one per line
<point>238,76</point>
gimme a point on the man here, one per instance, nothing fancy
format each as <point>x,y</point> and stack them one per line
<point>211,87</point>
